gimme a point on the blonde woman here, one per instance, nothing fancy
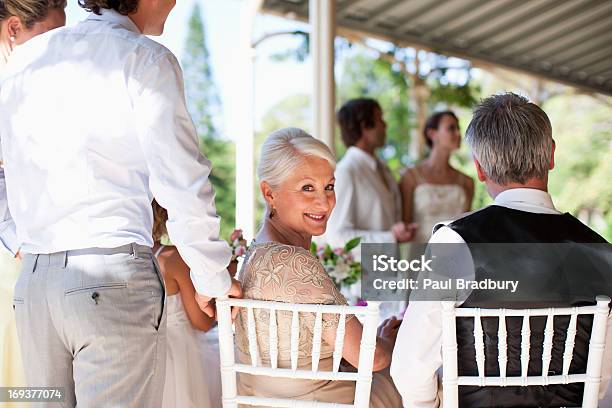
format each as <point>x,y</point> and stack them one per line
<point>192,364</point>
<point>296,174</point>
<point>21,20</point>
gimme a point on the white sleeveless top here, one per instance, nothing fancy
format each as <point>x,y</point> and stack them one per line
<point>433,203</point>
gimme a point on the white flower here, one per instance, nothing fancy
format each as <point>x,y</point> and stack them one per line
<point>338,272</point>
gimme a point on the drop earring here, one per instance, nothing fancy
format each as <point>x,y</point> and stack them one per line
<point>272,212</point>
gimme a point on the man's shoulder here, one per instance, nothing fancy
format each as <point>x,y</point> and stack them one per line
<point>117,37</point>
<point>464,217</point>
<point>348,166</point>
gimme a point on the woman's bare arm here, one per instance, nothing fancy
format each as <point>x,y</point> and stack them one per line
<point>180,272</point>
<point>407,185</point>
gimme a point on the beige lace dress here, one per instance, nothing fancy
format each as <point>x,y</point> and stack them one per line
<point>284,273</point>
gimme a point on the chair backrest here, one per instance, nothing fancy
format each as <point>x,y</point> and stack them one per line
<point>229,367</point>
<point>592,378</point>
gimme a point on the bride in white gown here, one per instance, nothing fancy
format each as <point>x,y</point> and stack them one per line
<point>193,378</point>
<point>434,191</point>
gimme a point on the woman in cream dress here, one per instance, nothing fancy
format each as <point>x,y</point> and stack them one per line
<point>434,191</point>
<point>297,182</point>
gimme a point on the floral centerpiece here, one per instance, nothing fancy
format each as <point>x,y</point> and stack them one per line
<point>340,265</point>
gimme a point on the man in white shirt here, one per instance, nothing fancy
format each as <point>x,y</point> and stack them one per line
<point>93,125</point>
<point>368,201</point>
<point>506,129</point>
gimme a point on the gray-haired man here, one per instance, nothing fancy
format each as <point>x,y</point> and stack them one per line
<point>513,150</point>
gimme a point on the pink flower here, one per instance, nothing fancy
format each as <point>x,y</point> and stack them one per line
<point>235,235</point>
<point>239,251</point>
<point>339,251</point>
<point>362,302</point>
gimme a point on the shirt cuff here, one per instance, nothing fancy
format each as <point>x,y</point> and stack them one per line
<point>212,286</point>
<point>9,241</point>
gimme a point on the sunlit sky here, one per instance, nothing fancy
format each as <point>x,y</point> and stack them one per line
<point>274,80</point>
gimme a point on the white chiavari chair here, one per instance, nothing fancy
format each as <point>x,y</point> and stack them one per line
<point>592,377</point>
<point>229,367</point>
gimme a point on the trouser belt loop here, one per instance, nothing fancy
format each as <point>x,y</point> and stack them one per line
<point>57,259</point>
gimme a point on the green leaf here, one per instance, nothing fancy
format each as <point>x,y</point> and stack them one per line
<point>313,248</point>
<point>352,244</point>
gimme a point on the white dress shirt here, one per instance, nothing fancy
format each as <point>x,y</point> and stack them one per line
<point>93,125</point>
<point>8,234</point>
<point>366,206</point>
<point>417,355</point>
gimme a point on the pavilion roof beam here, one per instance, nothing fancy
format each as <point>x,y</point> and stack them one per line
<point>344,8</point>
<point>562,43</point>
<point>605,43</point>
<point>376,13</point>
<point>519,19</point>
<point>574,9</point>
<point>451,15</point>
<point>593,69</point>
<point>425,9</point>
<point>413,40</point>
<point>577,24</point>
<point>477,20</point>
<point>594,61</point>
<point>593,30</point>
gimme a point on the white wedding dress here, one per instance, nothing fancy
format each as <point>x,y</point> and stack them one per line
<point>193,378</point>
<point>434,203</point>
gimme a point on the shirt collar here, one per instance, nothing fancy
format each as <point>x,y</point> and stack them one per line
<point>112,16</point>
<point>361,156</point>
<point>528,196</point>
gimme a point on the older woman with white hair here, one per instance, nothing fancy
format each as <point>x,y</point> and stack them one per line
<point>296,174</point>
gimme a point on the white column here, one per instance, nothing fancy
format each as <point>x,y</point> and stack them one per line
<point>245,127</point>
<point>323,27</point>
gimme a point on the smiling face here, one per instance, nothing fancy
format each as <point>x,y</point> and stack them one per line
<point>447,135</point>
<point>305,199</point>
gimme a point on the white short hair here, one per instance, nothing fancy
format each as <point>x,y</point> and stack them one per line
<point>284,150</point>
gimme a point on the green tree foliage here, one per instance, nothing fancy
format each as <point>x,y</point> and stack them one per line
<point>581,182</point>
<point>204,106</point>
<point>200,90</point>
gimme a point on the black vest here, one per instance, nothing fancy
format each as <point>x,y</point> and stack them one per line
<point>496,224</point>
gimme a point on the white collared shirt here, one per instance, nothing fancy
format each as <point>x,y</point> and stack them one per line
<point>93,125</point>
<point>417,355</point>
<point>365,206</point>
